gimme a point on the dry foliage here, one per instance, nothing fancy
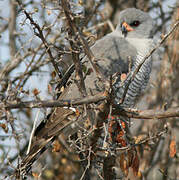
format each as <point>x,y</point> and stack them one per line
<point>34,72</point>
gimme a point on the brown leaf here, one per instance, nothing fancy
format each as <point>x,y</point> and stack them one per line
<point>4,127</point>
<point>34,174</point>
<point>49,12</point>
<point>124,165</point>
<point>138,139</point>
<point>139,175</point>
<point>173,147</point>
<point>64,161</point>
<point>56,146</point>
<point>123,124</point>
<point>135,165</point>
<point>36,92</point>
<point>77,112</point>
<point>130,157</point>
<point>110,128</point>
<point>49,88</point>
<point>53,74</point>
<point>87,123</point>
<point>121,141</point>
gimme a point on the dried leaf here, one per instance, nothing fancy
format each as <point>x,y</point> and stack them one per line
<point>49,88</point>
<point>34,174</point>
<point>130,157</point>
<point>162,36</point>
<point>123,124</point>
<point>138,138</point>
<point>135,165</point>
<point>49,12</point>
<point>124,165</point>
<point>122,157</point>
<point>87,33</point>
<point>62,89</point>
<point>64,161</point>
<point>77,112</point>
<point>4,127</point>
<point>87,123</point>
<point>139,175</point>
<point>36,92</point>
<point>121,141</point>
<point>80,2</point>
<point>53,74</point>
<point>172,147</point>
<point>110,128</point>
<point>120,133</point>
<point>49,174</point>
<point>126,172</point>
<point>56,146</point>
<point>36,9</point>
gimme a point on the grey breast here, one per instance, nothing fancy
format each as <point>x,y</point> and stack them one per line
<point>113,54</point>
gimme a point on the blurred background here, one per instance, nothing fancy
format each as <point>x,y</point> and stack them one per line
<point>26,73</point>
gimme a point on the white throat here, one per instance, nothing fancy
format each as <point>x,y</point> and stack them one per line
<point>143,46</point>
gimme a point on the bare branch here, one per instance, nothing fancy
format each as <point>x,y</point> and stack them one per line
<point>86,48</point>
<point>131,113</point>
<point>39,33</point>
<point>147,114</point>
<point>55,103</point>
<point>12,28</point>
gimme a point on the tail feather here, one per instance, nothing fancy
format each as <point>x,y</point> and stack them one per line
<point>44,136</point>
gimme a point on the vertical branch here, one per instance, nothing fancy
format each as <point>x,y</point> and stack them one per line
<point>86,48</point>
<point>12,28</point>
<point>75,55</point>
<point>38,31</point>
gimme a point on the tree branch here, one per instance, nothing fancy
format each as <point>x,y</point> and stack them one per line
<point>39,33</point>
<point>131,113</point>
<point>55,103</point>
<point>147,114</point>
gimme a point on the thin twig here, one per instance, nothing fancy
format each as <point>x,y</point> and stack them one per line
<point>86,48</point>
<point>39,33</point>
<point>145,58</point>
<point>74,47</point>
<point>88,164</point>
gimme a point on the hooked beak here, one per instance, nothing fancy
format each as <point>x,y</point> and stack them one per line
<point>126,28</point>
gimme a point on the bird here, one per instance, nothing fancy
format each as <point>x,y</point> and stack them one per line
<point>118,53</point>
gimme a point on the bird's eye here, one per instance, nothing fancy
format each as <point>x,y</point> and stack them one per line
<point>135,23</point>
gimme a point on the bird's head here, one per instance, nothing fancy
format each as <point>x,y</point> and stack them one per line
<point>134,23</point>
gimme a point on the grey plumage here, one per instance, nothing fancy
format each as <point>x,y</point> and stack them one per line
<point>115,52</point>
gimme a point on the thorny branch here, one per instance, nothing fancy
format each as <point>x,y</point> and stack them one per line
<point>39,33</point>
<point>144,140</point>
<point>55,103</point>
<point>128,112</point>
<point>138,114</point>
<point>102,114</point>
<point>148,114</point>
<point>86,48</point>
